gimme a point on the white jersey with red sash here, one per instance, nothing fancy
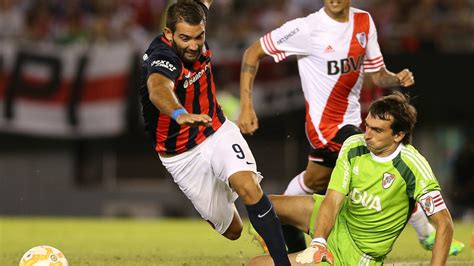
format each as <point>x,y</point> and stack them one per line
<point>332,57</point>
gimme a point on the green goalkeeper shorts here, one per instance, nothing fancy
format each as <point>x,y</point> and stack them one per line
<point>339,242</point>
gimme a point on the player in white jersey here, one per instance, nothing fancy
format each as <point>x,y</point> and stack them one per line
<point>377,181</point>
<point>335,48</point>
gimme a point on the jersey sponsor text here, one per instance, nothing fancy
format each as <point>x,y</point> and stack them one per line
<point>345,65</point>
<point>197,76</point>
<point>289,35</point>
<point>366,199</point>
<point>163,63</point>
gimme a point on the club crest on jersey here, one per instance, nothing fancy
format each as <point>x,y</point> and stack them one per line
<point>387,180</point>
<point>428,205</point>
<point>361,39</point>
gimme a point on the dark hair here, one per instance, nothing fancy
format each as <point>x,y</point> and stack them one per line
<point>396,105</point>
<point>184,11</point>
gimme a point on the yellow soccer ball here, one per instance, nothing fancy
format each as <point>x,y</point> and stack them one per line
<point>43,256</point>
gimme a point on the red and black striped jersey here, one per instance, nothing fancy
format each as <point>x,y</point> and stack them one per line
<point>195,89</point>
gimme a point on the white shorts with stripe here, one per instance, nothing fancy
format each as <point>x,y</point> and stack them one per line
<point>203,172</point>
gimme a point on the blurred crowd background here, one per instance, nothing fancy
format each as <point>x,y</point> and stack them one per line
<point>408,26</point>
<point>107,167</point>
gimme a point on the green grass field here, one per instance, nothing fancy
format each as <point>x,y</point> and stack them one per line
<point>166,242</point>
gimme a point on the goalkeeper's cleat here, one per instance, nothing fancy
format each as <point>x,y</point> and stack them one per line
<point>456,246</point>
<point>258,238</point>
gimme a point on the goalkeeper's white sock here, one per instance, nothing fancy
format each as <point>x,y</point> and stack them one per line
<point>420,223</point>
<point>297,186</point>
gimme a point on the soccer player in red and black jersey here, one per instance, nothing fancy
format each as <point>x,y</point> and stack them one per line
<point>203,151</point>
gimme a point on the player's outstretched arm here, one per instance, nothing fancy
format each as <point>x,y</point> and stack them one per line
<point>317,251</point>
<point>194,120</point>
<point>160,90</point>
<point>444,235</point>
<point>384,78</point>
<point>247,121</point>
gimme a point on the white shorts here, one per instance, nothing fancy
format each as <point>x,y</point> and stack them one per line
<point>203,172</point>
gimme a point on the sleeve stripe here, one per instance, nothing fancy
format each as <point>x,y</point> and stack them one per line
<point>422,160</point>
<point>374,59</point>
<point>373,67</point>
<point>273,48</point>
<point>373,63</point>
<point>419,164</point>
<point>350,140</point>
<point>381,63</point>
<point>268,42</point>
<point>269,48</point>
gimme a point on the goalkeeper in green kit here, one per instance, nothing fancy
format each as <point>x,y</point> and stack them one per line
<point>374,187</point>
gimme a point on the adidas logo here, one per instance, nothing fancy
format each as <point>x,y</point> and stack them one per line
<point>328,49</point>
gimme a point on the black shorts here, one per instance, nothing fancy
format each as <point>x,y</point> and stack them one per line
<point>327,157</point>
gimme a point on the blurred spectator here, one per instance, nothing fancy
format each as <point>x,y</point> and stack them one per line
<point>404,26</point>
<point>12,19</point>
<point>39,21</point>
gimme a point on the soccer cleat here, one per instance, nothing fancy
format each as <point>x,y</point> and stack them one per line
<point>258,238</point>
<point>456,246</point>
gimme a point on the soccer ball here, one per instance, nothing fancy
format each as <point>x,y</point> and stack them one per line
<point>43,256</point>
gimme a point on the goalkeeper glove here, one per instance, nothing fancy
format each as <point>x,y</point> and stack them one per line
<point>316,253</point>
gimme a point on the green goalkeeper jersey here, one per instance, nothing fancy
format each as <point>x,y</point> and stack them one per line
<point>381,191</point>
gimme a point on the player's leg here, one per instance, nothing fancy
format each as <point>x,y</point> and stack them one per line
<point>235,228</point>
<point>299,211</point>
<point>265,260</point>
<point>315,179</point>
<point>233,163</point>
<point>294,210</point>
<point>312,180</point>
<point>261,213</point>
<point>211,197</point>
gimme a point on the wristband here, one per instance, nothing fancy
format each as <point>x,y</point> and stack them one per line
<point>318,240</point>
<point>177,112</point>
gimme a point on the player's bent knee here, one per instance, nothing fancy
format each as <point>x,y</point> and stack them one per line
<point>272,197</point>
<point>235,228</point>
<point>316,180</point>
<point>246,186</point>
<point>275,199</point>
<point>233,233</point>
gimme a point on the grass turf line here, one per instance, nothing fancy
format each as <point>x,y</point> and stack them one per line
<point>131,242</point>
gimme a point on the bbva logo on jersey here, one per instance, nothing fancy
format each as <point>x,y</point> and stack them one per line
<point>345,65</point>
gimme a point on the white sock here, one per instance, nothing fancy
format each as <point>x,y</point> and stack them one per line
<point>297,186</point>
<point>420,223</point>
